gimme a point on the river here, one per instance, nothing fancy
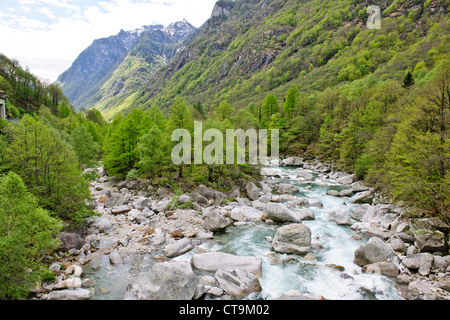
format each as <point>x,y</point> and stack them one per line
<point>312,274</point>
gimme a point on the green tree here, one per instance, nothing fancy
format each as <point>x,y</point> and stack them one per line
<point>150,148</point>
<point>291,101</point>
<point>408,81</point>
<point>64,110</point>
<point>27,233</point>
<point>84,146</point>
<point>270,106</point>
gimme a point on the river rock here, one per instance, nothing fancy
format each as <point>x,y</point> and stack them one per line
<point>385,268</point>
<point>304,214</point>
<point>375,250</point>
<point>117,200</point>
<point>280,213</point>
<point>334,193</point>
<point>142,203</point>
<point>120,210</point>
<point>430,241</point>
<point>213,220</point>
<point>363,197</point>
<point>287,188</point>
<point>292,162</point>
<point>102,224</point>
<point>358,213</point>
<point>416,261</point>
<point>302,173</point>
<point>252,191</point>
<point>237,283</point>
<point>173,280</point>
<point>342,219</point>
<point>115,258</point>
<point>349,179</point>
<point>359,187</point>
<point>293,238</point>
<point>178,248</point>
<point>213,261</point>
<point>246,213</point>
<point>160,206</point>
<point>209,194</point>
<point>315,203</point>
<point>70,241</point>
<point>398,245</point>
<point>69,295</point>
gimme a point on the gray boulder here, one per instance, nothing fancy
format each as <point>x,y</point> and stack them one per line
<point>102,224</point>
<point>280,213</point>
<point>375,250</point>
<point>430,241</point>
<point>359,212</point>
<point>417,261</point>
<point>385,268</point>
<point>293,238</point>
<point>287,188</point>
<point>117,200</point>
<point>252,191</point>
<point>209,194</point>
<point>142,203</point>
<point>237,283</point>
<point>246,213</point>
<point>359,187</point>
<point>213,220</point>
<point>173,280</point>
<point>120,210</point>
<point>363,197</point>
<point>160,206</point>
<point>69,295</point>
<point>342,219</point>
<point>214,261</point>
<point>70,241</point>
<point>178,248</point>
<point>115,258</point>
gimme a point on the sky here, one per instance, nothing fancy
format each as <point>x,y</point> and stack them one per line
<point>48,35</point>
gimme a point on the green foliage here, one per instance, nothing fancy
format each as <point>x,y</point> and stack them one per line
<point>27,233</point>
<point>84,146</point>
<point>48,166</point>
<point>269,107</point>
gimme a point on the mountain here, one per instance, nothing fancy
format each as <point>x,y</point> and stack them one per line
<point>250,48</point>
<point>101,72</point>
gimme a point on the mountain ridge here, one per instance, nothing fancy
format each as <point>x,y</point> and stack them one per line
<point>83,82</point>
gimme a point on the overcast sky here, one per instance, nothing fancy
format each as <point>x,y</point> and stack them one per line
<point>48,35</point>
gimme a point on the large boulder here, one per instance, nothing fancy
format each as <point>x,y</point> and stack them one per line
<point>213,220</point>
<point>173,280</point>
<point>117,200</point>
<point>213,261</point>
<point>70,241</point>
<point>102,224</point>
<point>280,213</point>
<point>417,261</point>
<point>209,194</point>
<point>430,241</point>
<point>385,268</point>
<point>237,283</point>
<point>363,197</point>
<point>375,250</point>
<point>283,188</point>
<point>178,248</point>
<point>246,213</point>
<point>69,295</point>
<point>252,191</point>
<point>293,238</point>
<point>142,203</point>
<point>292,162</point>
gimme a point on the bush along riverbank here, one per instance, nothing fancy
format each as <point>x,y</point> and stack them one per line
<point>150,243</point>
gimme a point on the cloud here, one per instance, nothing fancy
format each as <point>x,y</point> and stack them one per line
<point>48,35</point>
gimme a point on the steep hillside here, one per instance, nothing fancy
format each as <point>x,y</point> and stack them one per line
<point>112,67</point>
<point>250,48</point>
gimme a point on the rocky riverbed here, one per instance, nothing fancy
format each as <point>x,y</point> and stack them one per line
<point>289,236</point>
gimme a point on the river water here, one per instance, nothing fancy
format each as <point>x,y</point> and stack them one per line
<point>332,244</point>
